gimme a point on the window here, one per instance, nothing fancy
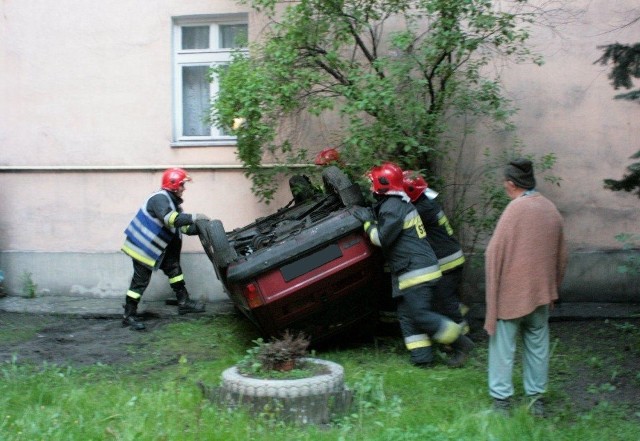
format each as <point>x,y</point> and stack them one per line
<point>199,43</point>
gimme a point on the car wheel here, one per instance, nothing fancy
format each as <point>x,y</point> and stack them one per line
<point>223,252</point>
<point>338,183</point>
<point>334,179</point>
<point>205,240</point>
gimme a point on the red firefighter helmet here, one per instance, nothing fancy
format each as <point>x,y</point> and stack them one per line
<point>173,178</point>
<point>327,156</point>
<point>386,177</point>
<point>414,184</point>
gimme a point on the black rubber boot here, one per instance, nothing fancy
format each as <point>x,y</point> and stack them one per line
<point>422,357</point>
<point>186,305</point>
<point>129,317</point>
<point>462,347</point>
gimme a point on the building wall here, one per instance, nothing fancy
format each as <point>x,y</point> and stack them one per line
<point>85,133</point>
<point>566,106</point>
<point>86,128</point>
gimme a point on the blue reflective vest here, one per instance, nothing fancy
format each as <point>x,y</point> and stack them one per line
<point>148,237</point>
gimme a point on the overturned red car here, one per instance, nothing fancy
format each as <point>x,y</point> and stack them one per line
<point>308,267</point>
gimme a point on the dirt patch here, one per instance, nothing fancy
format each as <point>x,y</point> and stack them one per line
<point>64,340</point>
<point>598,361</point>
<point>593,361</point>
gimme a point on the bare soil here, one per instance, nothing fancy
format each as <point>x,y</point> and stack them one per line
<point>74,341</point>
<point>593,361</point>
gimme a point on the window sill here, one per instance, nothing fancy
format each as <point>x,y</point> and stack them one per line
<point>204,143</point>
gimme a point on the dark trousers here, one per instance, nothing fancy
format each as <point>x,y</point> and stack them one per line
<point>446,299</point>
<point>170,265</point>
<point>418,321</point>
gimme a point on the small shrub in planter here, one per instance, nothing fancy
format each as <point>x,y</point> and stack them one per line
<point>279,358</point>
<point>313,391</point>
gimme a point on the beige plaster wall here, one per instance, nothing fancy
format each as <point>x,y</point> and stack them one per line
<point>90,82</point>
<point>88,212</point>
<point>566,106</point>
<point>86,127</point>
<point>87,86</point>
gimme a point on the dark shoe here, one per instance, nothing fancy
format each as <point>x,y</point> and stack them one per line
<point>502,406</point>
<point>422,357</point>
<point>190,306</point>
<point>536,406</point>
<point>132,323</point>
<point>186,305</point>
<point>462,347</point>
<point>447,349</point>
<point>129,317</point>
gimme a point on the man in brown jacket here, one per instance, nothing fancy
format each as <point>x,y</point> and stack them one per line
<point>525,263</point>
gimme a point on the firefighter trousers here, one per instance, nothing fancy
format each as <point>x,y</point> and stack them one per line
<point>420,325</point>
<point>446,299</point>
<point>170,265</point>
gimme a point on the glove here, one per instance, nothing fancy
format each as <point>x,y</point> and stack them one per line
<point>363,214</point>
<point>199,216</point>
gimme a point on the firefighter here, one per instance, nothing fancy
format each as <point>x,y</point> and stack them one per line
<point>448,251</point>
<point>301,186</point>
<point>302,189</point>
<point>154,240</point>
<point>328,156</point>
<point>395,226</point>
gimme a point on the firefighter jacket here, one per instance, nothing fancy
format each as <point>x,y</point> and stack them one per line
<point>439,234</point>
<point>156,223</point>
<point>398,230</point>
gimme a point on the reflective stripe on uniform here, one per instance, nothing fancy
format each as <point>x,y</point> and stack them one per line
<point>418,276</point>
<point>150,245</point>
<point>133,295</point>
<point>372,232</point>
<point>147,230</point>
<point>417,341</point>
<point>178,278</point>
<point>448,333</point>
<point>443,221</point>
<point>146,238</point>
<point>170,218</point>
<point>131,250</point>
<point>451,261</point>
<point>413,220</point>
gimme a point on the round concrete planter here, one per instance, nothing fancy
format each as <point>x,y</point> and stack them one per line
<point>306,400</point>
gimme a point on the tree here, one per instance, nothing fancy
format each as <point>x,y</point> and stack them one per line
<point>396,71</point>
<point>625,61</point>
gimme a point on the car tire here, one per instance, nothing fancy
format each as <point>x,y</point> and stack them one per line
<point>223,252</point>
<point>236,383</point>
<point>334,179</point>
<point>337,182</point>
<point>205,240</point>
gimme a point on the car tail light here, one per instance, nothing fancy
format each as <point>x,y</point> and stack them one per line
<point>252,294</point>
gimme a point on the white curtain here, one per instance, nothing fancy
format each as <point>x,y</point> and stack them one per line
<point>195,100</point>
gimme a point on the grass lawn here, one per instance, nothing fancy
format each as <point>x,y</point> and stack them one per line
<point>153,395</point>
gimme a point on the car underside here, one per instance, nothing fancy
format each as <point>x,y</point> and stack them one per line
<point>307,267</point>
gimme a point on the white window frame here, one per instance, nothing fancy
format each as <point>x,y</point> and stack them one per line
<point>199,57</point>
